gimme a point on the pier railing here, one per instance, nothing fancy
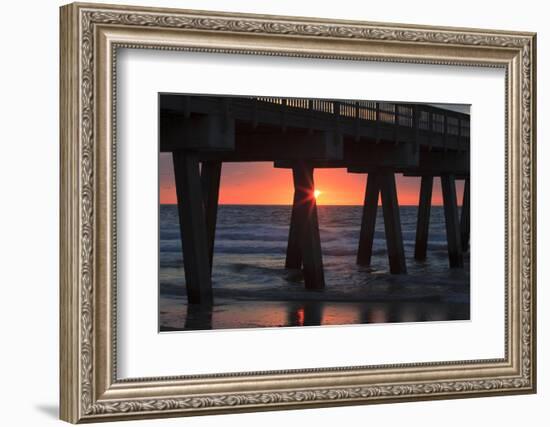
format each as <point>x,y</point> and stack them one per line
<point>424,117</point>
<point>423,125</point>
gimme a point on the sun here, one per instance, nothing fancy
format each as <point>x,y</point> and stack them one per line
<point>316,194</point>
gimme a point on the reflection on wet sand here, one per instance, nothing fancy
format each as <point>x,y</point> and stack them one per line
<point>309,313</point>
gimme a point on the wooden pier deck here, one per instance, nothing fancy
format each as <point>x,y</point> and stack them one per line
<point>375,138</point>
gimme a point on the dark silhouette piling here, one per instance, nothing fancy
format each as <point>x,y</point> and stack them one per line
<point>452,225</point>
<point>192,227</point>
<point>465,217</point>
<point>382,183</point>
<point>210,183</point>
<point>423,218</point>
<point>304,243</point>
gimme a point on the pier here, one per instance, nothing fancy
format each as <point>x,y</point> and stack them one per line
<point>380,139</point>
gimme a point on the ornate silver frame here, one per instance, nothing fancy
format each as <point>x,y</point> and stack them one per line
<point>90,35</point>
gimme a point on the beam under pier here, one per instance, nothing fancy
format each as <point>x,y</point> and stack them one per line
<point>192,227</point>
<point>423,218</point>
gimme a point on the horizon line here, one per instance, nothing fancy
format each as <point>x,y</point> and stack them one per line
<point>287,204</point>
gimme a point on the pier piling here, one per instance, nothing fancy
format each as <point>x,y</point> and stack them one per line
<point>423,218</point>
<point>392,223</point>
<point>368,222</point>
<point>293,249</point>
<point>452,224</point>
<point>210,183</point>
<point>382,183</point>
<point>465,217</point>
<point>304,232</point>
<point>192,227</point>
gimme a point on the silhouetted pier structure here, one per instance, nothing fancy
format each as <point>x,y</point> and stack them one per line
<point>376,138</point>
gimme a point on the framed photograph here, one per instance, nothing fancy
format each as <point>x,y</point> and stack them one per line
<point>266,212</point>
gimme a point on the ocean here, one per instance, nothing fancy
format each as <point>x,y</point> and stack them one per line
<point>252,289</point>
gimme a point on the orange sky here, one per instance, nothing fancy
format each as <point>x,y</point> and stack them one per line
<point>261,183</point>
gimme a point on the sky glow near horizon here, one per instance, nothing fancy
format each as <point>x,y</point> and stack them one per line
<point>259,183</point>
